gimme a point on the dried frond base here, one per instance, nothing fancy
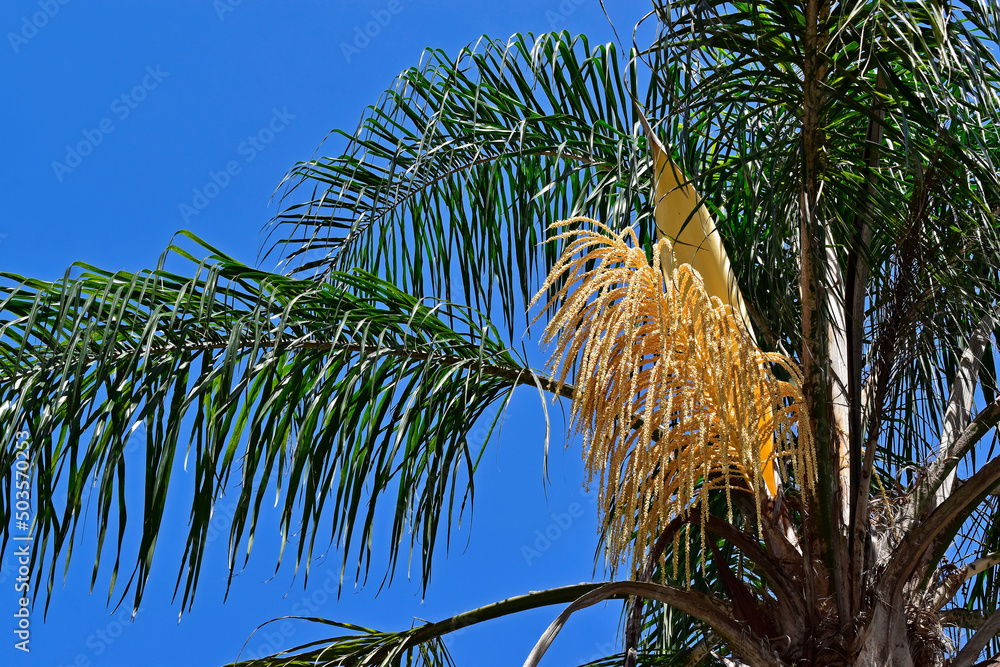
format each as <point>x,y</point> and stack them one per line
<point>673,398</point>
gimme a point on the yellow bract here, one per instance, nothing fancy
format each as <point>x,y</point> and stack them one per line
<point>673,397</point>
<point>683,219</point>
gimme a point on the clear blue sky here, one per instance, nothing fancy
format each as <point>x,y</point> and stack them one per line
<point>168,93</point>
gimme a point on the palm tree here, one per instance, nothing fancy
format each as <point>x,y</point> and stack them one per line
<point>824,496</point>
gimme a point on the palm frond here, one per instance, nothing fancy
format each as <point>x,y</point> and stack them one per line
<point>371,648</point>
<point>361,648</point>
<point>341,397</point>
<point>451,178</point>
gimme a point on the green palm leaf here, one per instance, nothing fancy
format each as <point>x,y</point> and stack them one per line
<point>451,178</point>
<point>338,395</point>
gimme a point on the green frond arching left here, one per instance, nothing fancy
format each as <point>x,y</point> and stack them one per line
<point>425,645</point>
<point>452,176</point>
<point>342,396</point>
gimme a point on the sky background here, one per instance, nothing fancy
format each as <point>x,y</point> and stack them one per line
<point>199,78</point>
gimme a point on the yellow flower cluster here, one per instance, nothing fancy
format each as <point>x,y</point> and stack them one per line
<point>673,397</point>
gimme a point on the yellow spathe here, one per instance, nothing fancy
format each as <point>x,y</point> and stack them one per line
<point>686,222</point>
